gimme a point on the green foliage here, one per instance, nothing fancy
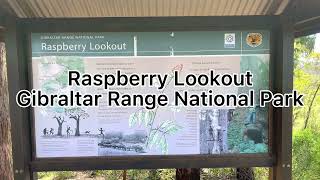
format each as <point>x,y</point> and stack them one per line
<point>43,175</point>
<point>151,174</point>
<point>230,173</point>
<point>235,130</point>
<point>306,119</point>
<point>250,147</point>
<point>110,174</point>
<point>64,175</point>
<point>236,141</point>
<point>258,65</point>
<point>167,174</point>
<point>137,174</point>
<point>306,81</point>
<point>261,173</point>
<point>218,173</point>
<point>306,155</point>
<point>134,174</point>
<point>303,47</point>
<point>59,175</point>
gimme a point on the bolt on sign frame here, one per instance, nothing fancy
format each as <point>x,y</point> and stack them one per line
<point>18,43</point>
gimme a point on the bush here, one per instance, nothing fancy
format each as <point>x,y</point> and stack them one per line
<point>110,174</point>
<point>261,173</point>
<point>306,155</point>
<point>59,175</point>
<point>218,173</point>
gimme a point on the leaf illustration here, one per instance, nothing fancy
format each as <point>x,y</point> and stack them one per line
<point>141,117</point>
<point>152,139</point>
<point>148,117</point>
<point>157,133</point>
<point>163,145</point>
<point>169,127</point>
<point>133,119</point>
<point>158,141</point>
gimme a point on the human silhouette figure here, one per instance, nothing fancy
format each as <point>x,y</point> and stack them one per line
<point>45,131</point>
<point>51,131</point>
<point>68,131</point>
<point>101,131</point>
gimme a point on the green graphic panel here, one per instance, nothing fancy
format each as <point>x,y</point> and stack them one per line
<point>149,43</point>
<point>82,44</point>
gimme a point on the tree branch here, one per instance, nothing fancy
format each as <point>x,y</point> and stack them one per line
<point>310,107</point>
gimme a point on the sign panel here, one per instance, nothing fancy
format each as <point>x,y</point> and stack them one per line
<point>145,127</point>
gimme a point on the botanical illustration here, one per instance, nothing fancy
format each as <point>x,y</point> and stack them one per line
<point>157,132</point>
<point>55,73</point>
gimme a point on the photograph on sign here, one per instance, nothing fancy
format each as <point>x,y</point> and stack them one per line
<point>118,130</point>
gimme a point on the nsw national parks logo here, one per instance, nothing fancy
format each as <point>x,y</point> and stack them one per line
<point>254,39</point>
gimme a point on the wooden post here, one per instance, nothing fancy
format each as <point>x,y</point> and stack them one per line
<point>19,117</point>
<point>282,125</point>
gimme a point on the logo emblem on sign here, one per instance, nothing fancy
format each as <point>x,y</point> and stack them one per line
<point>230,40</point>
<point>254,39</point>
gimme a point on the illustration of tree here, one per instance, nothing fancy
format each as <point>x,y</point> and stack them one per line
<point>60,121</point>
<point>77,114</point>
<point>157,133</point>
<point>57,69</point>
<point>57,113</point>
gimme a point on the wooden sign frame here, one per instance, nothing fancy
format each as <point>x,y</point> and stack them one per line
<point>18,46</point>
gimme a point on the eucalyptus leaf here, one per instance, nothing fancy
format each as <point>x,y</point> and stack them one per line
<point>133,120</point>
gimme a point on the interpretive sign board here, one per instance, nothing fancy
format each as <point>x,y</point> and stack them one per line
<point>186,126</point>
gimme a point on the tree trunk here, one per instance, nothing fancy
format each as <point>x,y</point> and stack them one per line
<point>310,107</point>
<point>188,174</point>
<point>5,136</point>
<point>78,128</point>
<point>124,175</point>
<point>60,130</point>
<point>245,174</point>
